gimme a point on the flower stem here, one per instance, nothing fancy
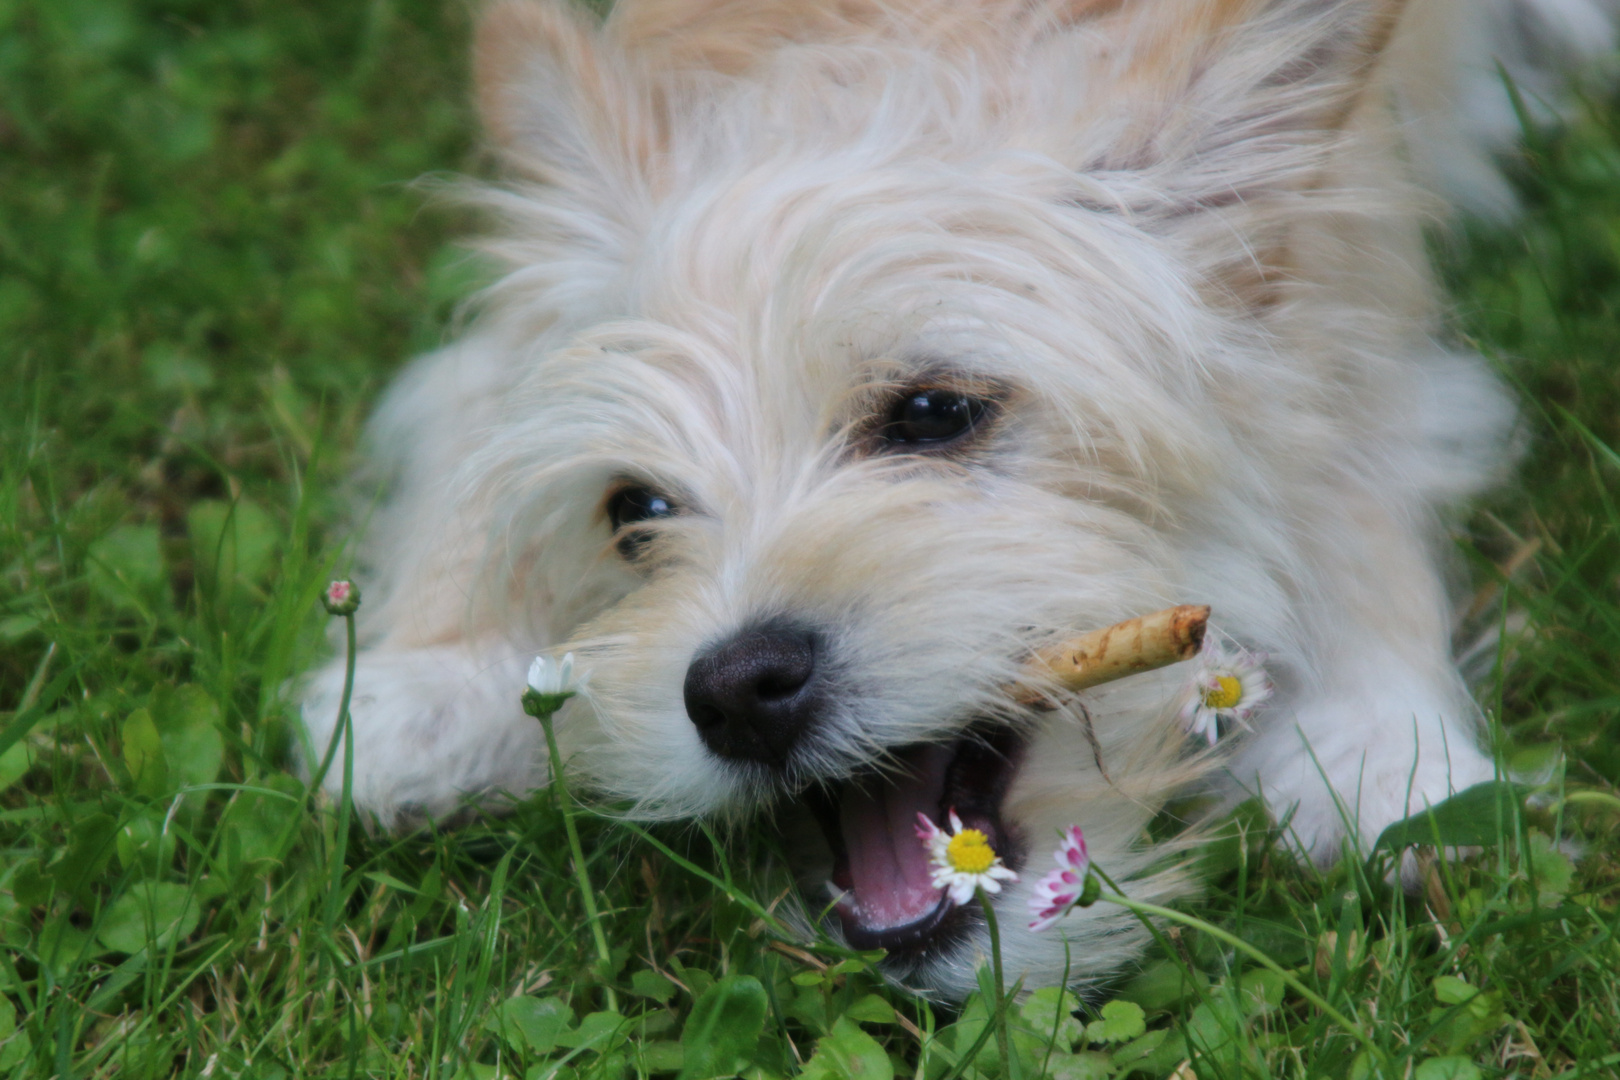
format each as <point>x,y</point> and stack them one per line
<point>1000,1016</point>
<point>1142,910</point>
<point>345,724</point>
<point>565,804</point>
<point>1591,798</point>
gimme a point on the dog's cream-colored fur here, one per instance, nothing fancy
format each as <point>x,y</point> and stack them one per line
<point>1182,239</point>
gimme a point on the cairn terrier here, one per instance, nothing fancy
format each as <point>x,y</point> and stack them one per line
<point>847,352</point>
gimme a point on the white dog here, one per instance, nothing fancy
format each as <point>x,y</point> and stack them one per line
<point>850,350</point>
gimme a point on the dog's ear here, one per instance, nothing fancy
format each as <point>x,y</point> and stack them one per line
<point>558,100</point>
<point>1233,111</point>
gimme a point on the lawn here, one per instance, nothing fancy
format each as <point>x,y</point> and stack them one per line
<point>213,253</point>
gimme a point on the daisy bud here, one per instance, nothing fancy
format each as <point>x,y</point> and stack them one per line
<point>341,598</point>
<point>550,685</point>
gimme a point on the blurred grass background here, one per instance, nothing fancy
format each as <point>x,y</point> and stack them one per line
<point>211,258</point>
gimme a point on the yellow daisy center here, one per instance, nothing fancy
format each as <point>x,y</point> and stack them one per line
<point>969,852</point>
<point>1225,694</point>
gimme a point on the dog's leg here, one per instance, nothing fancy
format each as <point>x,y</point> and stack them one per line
<point>435,705</point>
<point>1381,741</point>
<point>1378,723</point>
<point>433,728</point>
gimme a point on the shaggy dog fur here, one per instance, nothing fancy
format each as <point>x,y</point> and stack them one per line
<point>1163,259</point>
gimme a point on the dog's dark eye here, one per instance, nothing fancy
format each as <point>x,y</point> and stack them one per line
<point>631,506</point>
<point>932,416</point>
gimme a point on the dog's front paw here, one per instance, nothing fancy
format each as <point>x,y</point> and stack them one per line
<point>1345,771</point>
<point>433,728</point>
<point>1369,795</point>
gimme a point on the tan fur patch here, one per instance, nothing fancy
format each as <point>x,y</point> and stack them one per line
<point>511,36</point>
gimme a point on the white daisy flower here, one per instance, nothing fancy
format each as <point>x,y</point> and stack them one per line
<point>1059,891</point>
<point>1229,683</point>
<point>963,859</point>
<point>551,684</point>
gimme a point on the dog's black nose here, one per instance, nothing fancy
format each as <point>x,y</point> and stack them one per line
<point>753,697</point>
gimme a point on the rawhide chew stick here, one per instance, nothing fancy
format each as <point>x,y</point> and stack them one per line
<point>1127,648</point>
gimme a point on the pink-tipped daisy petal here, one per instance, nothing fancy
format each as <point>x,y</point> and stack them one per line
<point>1056,893</point>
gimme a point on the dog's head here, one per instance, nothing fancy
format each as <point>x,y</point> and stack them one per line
<point>869,349</point>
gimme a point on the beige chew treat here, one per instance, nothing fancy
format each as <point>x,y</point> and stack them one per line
<point>1127,648</point>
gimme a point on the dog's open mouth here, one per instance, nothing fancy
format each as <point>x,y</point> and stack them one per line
<point>881,873</point>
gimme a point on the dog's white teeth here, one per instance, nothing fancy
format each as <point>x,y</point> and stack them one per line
<point>834,893</point>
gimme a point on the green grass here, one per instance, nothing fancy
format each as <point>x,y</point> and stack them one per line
<point>211,259</point>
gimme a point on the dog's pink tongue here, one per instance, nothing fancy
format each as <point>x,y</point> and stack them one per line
<point>888,865</point>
